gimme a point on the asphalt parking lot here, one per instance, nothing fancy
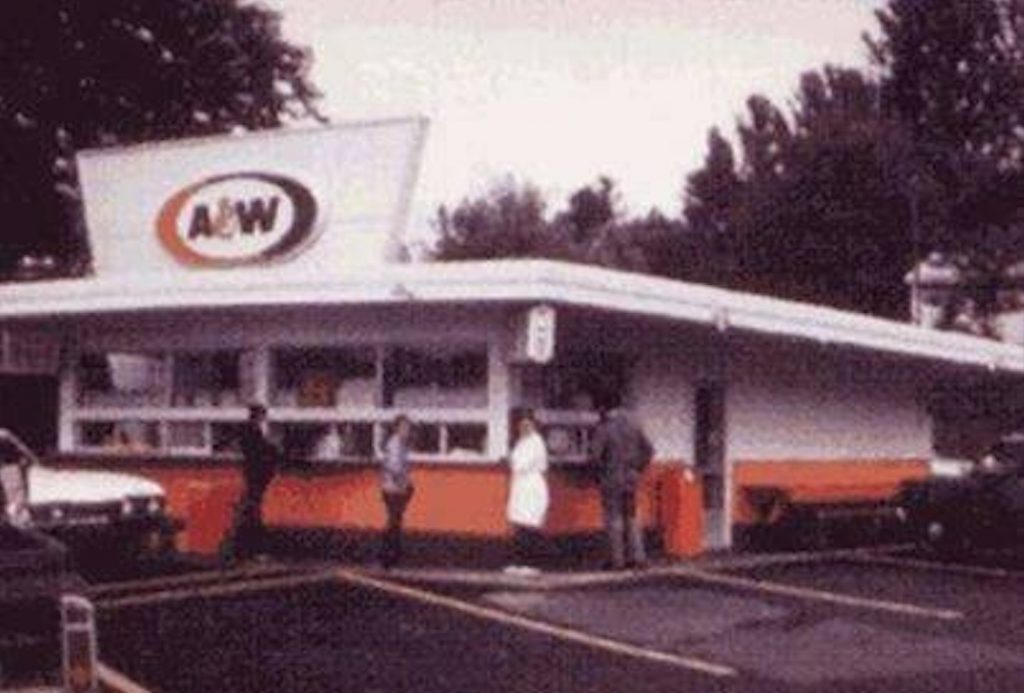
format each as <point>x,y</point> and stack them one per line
<point>857,622</point>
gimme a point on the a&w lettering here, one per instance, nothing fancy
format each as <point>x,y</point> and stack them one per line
<point>232,218</point>
<point>237,219</point>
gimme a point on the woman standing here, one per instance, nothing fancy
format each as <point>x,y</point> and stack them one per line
<point>396,489</point>
<point>528,496</point>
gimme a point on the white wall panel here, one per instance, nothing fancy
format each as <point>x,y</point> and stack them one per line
<point>805,403</point>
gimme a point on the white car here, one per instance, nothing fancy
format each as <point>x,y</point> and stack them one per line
<point>123,512</point>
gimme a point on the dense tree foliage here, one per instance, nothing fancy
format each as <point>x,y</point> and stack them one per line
<point>836,196</point>
<point>510,220</point>
<point>817,205</point>
<point>953,73</point>
<point>82,74</point>
<point>837,199</point>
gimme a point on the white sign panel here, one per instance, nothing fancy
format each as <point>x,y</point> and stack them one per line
<point>535,335</point>
<point>302,200</point>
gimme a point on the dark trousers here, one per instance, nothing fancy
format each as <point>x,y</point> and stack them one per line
<point>391,542</point>
<point>247,534</point>
<point>622,527</point>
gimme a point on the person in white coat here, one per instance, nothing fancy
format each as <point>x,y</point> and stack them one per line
<point>528,496</point>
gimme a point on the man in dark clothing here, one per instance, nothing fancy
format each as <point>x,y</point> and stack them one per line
<point>260,458</point>
<point>622,452</point>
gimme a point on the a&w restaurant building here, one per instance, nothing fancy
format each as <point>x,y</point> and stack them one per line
<point>269,268</point>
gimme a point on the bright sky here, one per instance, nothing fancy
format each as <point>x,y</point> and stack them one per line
<point>558,92</point>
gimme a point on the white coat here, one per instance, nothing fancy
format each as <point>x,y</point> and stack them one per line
<point>528,496</point>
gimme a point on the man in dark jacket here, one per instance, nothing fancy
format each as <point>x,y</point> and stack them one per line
<point>260,459</point>
<point>622,452</point>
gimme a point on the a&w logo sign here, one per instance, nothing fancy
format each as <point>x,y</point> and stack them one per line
<point>237,219</point>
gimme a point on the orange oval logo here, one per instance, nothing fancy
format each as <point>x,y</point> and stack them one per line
<point>246,218</point>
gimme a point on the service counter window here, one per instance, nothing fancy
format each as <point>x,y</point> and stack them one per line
<point>224,438</point>
<point>187,436</point>
<point>207,379</point>
<point>567,395</point>
<point>322,377</point>
<point>326,403</point>
<point>326,442</point>
<point>122,380</point>
<point>119,436</point>
<point>435,378</point>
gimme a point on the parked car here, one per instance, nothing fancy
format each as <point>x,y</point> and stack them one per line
<point>967,505</point>
<point>120,512</point>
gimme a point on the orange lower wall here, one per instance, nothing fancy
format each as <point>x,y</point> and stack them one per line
<point>458,499</point>
<point>820,481</point>
<point>470,500</point>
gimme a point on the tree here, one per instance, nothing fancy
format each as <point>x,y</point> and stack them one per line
<point>711,201</point>
<point>817,208</point>
<point>508,220</point>
<point>953,72</point>
<point>590,208</point>
<point>86,74</point>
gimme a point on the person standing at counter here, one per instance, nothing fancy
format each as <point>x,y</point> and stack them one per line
<point>260,459</point>
<point>528,496</point>
<point>622,451</point>
<point>396,489</point>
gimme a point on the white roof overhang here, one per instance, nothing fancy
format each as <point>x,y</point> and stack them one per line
<point>509,281</point>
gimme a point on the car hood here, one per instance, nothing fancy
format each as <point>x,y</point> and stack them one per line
<point>47,485</point>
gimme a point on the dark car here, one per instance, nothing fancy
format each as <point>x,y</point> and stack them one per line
<point>969,506</point>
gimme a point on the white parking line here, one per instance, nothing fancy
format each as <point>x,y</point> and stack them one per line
<point>194,578</point>
<point>559,632</point>
<point>939,567</point>
<point>113,680</point>
<point>813,594</point>
<point>232,588</point>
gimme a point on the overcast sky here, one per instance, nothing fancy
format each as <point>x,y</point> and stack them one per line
<point>559,92</point>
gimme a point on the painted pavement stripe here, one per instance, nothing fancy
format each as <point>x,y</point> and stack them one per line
<point>939,567</point>
<point>196,578</point>
<point>233,588</point>
<point>814,594</point>
<point>559,632</point>
<point>113,680</point>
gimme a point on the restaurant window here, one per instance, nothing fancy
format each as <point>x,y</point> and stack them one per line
<point>425,438</point>
<point>326,403</point>
<point>207,379</point>
<point>119,437</point>
<point>326,442</point>
<point>418,378</point>
<point>121,380</point>
<point>224,438</point>
<point>466,439</point>
<point>324,377</point>
<point>568,395</point>
<point>186,435</point>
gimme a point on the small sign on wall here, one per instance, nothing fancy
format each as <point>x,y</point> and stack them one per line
<point>535,335</point>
